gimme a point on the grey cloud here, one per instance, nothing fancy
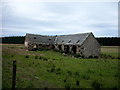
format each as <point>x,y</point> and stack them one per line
<point>63,18</point>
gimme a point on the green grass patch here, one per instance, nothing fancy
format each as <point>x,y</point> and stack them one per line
<point>51,69</point>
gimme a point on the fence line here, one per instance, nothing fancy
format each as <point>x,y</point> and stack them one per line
<point>14,75</point>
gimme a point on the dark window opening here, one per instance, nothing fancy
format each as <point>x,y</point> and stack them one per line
<point>95,56</point>
<point>77,41</point>
<point>66,49</point>
<point>40,44</point>
<point>34,37</point>
<point>49,39</point>
<point>82,48</point>
<point>43,45</point>
<point>74,49</point>
<point>69,41</point>
<point>35,47</point>
<point>81,53</point>
<point>59,46</point>
<point>62,40</point>
<point>53,46</point>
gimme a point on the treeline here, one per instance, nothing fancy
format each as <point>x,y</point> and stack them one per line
<point>13,40</point>
<point>104,41</point>
<point>109,41</point>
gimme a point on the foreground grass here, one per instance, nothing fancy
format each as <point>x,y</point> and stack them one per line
<point>50,69</point>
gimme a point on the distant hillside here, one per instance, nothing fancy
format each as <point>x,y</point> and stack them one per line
<point>104,41</point>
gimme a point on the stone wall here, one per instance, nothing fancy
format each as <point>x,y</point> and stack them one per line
<point>89,47</point>
<point>34,46</point>
<point>33,42</point>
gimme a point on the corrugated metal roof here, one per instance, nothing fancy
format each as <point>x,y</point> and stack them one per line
<point>73,39</point>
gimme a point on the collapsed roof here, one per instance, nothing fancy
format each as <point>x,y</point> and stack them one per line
<point>40,39</point>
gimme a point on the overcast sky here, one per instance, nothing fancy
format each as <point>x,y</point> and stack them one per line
<point>58,18</point>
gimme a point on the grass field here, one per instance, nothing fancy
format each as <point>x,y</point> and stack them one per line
<point>110,50</point>
<point>51,69</point>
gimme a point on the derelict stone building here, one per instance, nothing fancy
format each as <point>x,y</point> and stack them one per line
<point>83,44</point>
<point>33,41</point>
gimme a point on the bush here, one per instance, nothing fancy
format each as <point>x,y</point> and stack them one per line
<point>100,74</point>
<point>40,57</point>
<point>53,58</point>
<point>46,88</point>
<point>29,65</point>
<point>36,57</point>
<point>76,73</point>
<point>26,56</point>
<point>21,48</point>
<point>77,83</point>
<point>90,71</point>
<point>48,70</point>
<point>86,77</point>
<point>67,86</point>
<point>106,56</point>
<point>12,55</point>
<point>53,66</point>
<point>96,85</point>
<point>65,80</point>
<point>77,55</point>
<point>52,70</point>
<point>30,85</point>
<point>69,72</point>
<point>36,65</point>
<point>45,59</point>
<point>58,71</point>
<point>116,75</point>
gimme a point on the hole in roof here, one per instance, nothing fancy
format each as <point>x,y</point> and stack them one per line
<point>62,40</point>
<point>69,41</point>
<point>77,41</point>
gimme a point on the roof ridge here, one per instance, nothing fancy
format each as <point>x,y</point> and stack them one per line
<point>75,34</point>
<point>58,35</point>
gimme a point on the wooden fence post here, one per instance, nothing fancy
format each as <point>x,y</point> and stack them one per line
<point>14,75</point>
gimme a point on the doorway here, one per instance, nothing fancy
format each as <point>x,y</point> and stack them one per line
<point>74,49</point>
<point>66,49</point>
<point>60,48</point>
<point>35,47</point>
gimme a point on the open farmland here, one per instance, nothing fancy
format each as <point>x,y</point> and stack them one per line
<point>51,69</point>
<point>110,50</point>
